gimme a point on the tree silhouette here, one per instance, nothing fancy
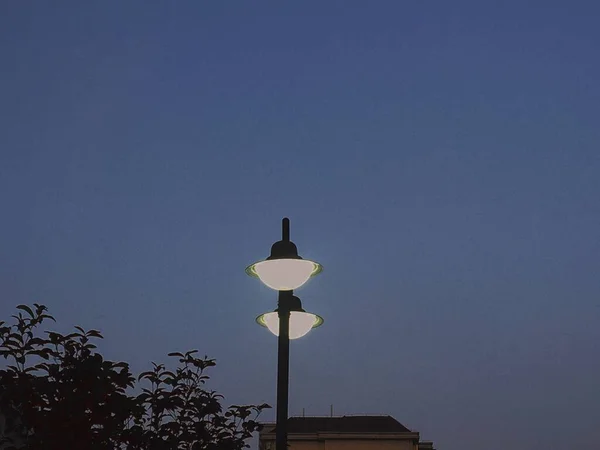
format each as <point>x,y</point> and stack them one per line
<point>58,393</point>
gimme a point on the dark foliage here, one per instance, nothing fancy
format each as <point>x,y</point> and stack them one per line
<point>59,393</point>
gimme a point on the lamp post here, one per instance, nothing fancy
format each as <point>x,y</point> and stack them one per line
<point>284,270</point>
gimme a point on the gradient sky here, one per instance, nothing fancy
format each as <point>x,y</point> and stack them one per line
<point>440,159</point>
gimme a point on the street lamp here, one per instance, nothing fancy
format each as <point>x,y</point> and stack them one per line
<point>301,322</point>
<point>284,270</point>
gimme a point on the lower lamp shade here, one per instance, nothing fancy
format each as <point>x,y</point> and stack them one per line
<point>300,322</point>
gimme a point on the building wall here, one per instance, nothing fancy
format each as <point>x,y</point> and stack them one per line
<point>304,445</point>
<point>354,444</point>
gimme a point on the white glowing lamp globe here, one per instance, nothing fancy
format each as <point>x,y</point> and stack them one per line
<point>284,269</point>
<point>284,274</point>
<point>300,323</point>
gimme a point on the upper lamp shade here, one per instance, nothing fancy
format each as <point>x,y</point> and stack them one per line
<point>284,274</point>
<point>300,322</point>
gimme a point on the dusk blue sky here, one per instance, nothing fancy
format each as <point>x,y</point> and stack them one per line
<point>440,159</point>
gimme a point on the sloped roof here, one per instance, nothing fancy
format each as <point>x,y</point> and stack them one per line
<point>344,424</point>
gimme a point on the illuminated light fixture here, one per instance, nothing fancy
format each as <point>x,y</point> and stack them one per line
<point>284,269</point>
<point>301,322</point>
<point>284,274</point>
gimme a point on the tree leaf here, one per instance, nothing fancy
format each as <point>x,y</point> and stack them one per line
<point>37,341</point>
<point>27,309</point>
<point>145,375</point>
<point>10,343</point>
<point>43,353</point>
<point>94,333</point>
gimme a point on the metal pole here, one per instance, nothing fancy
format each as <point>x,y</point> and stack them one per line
<point>283,355</point>
<point>283,368</point>
<point>285,229</point>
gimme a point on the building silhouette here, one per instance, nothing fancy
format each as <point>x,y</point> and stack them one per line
<point>345,433</point>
